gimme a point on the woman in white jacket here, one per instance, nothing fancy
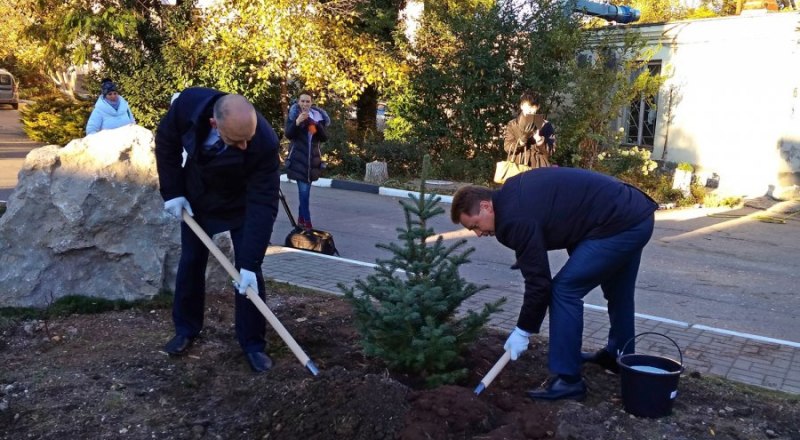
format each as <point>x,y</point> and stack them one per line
<point>110,111</point>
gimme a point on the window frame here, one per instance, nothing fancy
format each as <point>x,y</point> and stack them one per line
<point>644,105</point>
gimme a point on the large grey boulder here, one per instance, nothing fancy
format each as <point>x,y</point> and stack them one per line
<point>87,219</point>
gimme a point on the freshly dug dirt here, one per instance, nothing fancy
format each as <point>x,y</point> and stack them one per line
<point>103,376</point>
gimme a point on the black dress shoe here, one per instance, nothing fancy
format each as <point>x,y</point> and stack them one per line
<point>602,358</point>
<point>178,345</point>
<point>259,361</point>
<point>557,388</point>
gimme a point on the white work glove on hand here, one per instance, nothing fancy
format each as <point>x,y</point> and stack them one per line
<point>537,138</point>
<point>176,206</point>
<point>517,342</point>
<point>246,279</point>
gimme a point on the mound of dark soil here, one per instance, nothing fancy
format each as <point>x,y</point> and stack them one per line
<point>104,376</point>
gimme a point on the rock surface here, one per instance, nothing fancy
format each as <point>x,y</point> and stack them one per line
<point>87,219</point>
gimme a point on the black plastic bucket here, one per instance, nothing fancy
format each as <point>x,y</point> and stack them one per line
<point>649,383</point>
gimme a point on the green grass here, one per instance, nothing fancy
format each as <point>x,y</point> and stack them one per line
<point>740,388</point>
<point>290,289</point>
<point>84,305</point>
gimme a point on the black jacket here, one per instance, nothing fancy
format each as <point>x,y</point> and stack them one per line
<point>557,208</point>
<point>304,161</point>
<point>239,187</point>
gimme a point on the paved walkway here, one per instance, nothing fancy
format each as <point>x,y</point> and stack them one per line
<point>773,365</point>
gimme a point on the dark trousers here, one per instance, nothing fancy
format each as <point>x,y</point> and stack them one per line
<point>189,304</point>
<point>611,263</point>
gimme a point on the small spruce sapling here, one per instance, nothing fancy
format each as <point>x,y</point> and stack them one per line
<point>406,312</point>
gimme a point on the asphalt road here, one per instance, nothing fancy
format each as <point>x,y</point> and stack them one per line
<point>14,146</point>
<point>737,274</point>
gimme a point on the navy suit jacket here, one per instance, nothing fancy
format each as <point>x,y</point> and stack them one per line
<point>557,208</point>
<point>237,187</point>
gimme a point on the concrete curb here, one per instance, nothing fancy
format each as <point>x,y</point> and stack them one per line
<point>348,185</point>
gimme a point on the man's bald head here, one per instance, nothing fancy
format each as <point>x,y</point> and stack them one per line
<point>235,120</point>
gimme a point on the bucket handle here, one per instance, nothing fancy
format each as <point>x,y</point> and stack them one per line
<point>680,353</point>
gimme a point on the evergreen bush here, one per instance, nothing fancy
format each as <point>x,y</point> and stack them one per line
<point>401,157</point>
<point>55,120</point>
<point>406,311</point>
<point>343,159</point>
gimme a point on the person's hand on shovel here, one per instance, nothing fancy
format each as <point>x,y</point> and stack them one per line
<point>517,342</point>
<point>176,206</point>
<point>246,279</point>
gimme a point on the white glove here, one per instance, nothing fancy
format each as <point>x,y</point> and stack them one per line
<point>537,138</point>
<point>246,279</point>
<point>176,206</point>
<point>517,342</point>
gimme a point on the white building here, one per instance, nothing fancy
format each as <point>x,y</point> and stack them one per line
<point>731,101</point>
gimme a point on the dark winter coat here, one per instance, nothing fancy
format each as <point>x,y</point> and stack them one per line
<point>557,208</point>
<point>304,161</point>
<point>239,187</point>
<point>519,140</point>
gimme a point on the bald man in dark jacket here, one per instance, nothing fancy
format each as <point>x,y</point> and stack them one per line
<point>603,224</point>
<point>230,182</point>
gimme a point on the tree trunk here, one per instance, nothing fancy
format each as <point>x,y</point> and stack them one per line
<point>65,81</point>
<point>284,98</point>
<point>377,172</point>
<point>366,110</point>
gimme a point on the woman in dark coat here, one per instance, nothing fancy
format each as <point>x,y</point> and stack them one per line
<point>529,136</point>
<point>305,128</point>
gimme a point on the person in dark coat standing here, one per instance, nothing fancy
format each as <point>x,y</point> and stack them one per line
<point>530,138</point>
<point>229,182</point>
<point>603,224</point>
<point>305,128</point>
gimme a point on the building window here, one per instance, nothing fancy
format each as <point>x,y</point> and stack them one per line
<point>642,115</point>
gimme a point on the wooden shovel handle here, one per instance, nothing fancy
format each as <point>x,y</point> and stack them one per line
<point>496,369</point>
<point>252,294</point>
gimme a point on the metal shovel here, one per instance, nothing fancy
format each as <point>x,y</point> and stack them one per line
<point>252,295</point>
